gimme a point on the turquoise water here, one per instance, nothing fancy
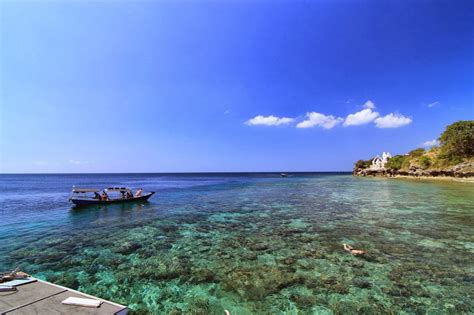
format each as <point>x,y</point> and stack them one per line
<point>249,243</point>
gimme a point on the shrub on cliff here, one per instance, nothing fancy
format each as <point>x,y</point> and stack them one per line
<point>417,152</point>
<point>425,162</point>
<point>363,164</point>
<point>396,162</point>
<point>457,141</point>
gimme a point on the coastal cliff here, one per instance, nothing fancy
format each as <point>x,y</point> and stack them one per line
<point>461,170</point>
<point>453,157</point>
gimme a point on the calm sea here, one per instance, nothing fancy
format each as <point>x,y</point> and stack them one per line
<point>249,243</point>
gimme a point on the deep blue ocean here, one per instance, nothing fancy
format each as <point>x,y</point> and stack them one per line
<point>249,243</point>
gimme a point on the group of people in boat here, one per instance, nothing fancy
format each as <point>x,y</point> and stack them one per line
<point>126,194</point>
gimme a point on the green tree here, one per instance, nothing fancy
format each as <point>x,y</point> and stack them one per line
<point>457,141</point>
<point>363,164</point>
<point>396,162</point>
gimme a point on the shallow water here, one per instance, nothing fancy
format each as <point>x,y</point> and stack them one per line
<point>249,243</point>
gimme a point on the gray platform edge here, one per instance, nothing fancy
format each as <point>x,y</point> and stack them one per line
<point>123,311</point>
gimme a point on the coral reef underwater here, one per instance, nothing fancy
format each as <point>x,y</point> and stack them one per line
<point>269,246</point>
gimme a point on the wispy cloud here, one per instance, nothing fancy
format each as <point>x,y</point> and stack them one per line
<point>77,162</point>
<point>430,143</point>
<point>227,112</point>
<point>269,120</point>
<point>318,119</point>
<point>434,104</point>
<point>392,121</point>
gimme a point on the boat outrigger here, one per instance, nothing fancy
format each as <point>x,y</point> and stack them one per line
<point>89,197</point>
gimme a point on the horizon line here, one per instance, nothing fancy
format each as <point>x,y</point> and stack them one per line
<point>211,172</point>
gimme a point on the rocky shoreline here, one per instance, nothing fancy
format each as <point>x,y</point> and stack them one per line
<point>462,170</point>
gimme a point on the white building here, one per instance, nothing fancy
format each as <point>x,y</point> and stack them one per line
<point>378,162</point>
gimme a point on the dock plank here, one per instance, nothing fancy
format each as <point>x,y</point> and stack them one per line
<point>26,294</point>
<point>53,306</point>
<point>45,298</point>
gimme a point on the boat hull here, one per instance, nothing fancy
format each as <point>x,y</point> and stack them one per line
<point>94,202</point>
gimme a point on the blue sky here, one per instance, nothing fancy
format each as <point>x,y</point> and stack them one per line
<point>156,86</point>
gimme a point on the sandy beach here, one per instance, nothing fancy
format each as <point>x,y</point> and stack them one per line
<point>439,178</point>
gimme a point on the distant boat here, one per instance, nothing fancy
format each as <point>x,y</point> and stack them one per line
<point>284,175</point>
<point>89,197</point>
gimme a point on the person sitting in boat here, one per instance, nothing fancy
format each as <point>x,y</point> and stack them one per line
<point>97,196</point>
<point>139,192</point>
<point>129,194</point>
<point>105,196</point>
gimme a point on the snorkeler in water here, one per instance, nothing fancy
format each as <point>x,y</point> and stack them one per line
<point>355,252</point>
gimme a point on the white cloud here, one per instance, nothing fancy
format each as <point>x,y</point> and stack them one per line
<point>392,121</point>
<point>434,104</point>
<point>269,120</point>
<point>369,104</point>
<point>430,143</point>
<point>365,116</point>
<point>318,119</point>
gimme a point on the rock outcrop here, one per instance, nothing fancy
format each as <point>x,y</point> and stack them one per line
<point>462,170</point>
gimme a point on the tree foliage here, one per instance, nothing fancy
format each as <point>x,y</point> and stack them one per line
<point>396,162</point>
<point>363,164</point>
<point>457,141</point>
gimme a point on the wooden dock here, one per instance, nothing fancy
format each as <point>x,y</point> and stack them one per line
<point>43,298</point>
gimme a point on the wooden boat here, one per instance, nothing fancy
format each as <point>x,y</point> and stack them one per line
<point>82,197</point>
